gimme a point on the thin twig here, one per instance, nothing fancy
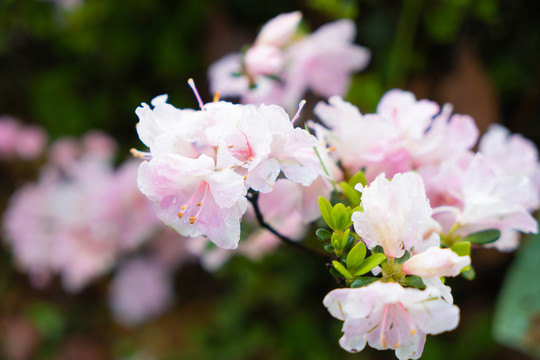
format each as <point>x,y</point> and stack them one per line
<point>253,197</point>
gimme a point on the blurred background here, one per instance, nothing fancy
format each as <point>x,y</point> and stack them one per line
<point>71,66</point>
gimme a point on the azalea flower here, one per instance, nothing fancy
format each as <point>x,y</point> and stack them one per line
<point>202,163</point>
<point>388,316</point>
<point>404,134</point>
<point>396,215</point>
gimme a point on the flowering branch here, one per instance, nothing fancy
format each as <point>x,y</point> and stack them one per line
<point>253,197</point>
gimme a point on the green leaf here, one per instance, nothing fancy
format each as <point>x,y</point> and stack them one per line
<point>462,248</point>
<point>363,281</point>
<point>468,273</point>
<point>358,178</point>
<point>47,318</point>
<point>350,241</point>
<point>342,270</point>
<point>413,281</point>
<point>345,238</point>
<point>356,256</point>
<point>516,319</point>
<point>483,237</point>
<point>369,263</point>
<point>328,247</point>
<point>341,217</point>
<point>351,194</point>
<point>326,209</point>
<point>404,258</point>
<point>323,234</point>
<point>378,249</point>
<point>336,241</point>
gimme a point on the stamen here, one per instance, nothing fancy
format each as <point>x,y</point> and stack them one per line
<point>183,208</point>
<point>194,88</point>
<point>140,154</point>
<point>300,107</point>
<point>332,148</point>
<point>248,146</point>
<point>216,96</point>
<point>194,217</point>
<point>410,323</point>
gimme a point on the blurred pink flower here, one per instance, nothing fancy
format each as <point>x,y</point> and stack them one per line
<point>141,290</point>
<point>280,67</point>
<point>78,217</point>
<point>18,140</point>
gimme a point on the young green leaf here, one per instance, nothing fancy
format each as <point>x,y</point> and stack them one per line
<point>369,263</point>
<point>341,217</point>
<point>468,273</point>
<point>351,194</point>
<point>356,256</point>
<point>462,248</point>
<point>358,178</point>
<point>326,209</point>
<point>342,270</point>
<point>336,241</point>
<point>483,237</point>
<point>413,281</point>
<point>363,281</point>
<point>323,234</point>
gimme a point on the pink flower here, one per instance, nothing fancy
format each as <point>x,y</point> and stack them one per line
<point>289,208</point>
<point>280,68</point>
<point>396,215</point>
<point>405,134</point>
<point>475,198</point>
<point>324,61</point>
<point>78,217</point>
<point>359,140</point>
<point>511,155</point>
<point>141,290</point>
<point>388,316</point>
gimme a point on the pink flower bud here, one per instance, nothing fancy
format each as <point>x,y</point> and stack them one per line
<point>263,60</point>
<point>436,262</point>
<point>279,30</point>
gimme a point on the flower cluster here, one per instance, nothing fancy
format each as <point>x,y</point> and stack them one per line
<point>420,225</point>
<point>202,163</point>
<point>283,64</point>
<point>80,215</point>
<point>495,188</point>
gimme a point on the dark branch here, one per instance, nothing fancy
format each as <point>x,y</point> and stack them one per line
<point>253,197</point>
